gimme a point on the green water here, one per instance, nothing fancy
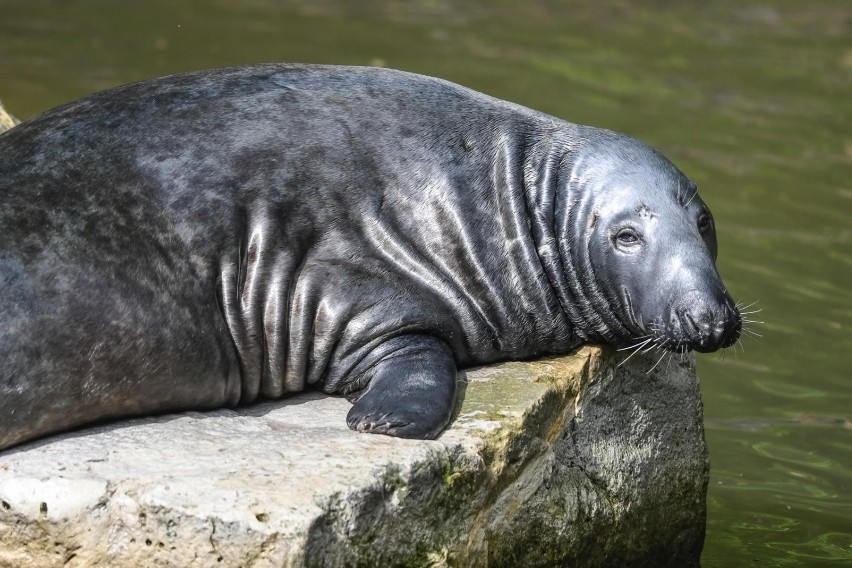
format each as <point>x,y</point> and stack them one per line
<point>752,100</point>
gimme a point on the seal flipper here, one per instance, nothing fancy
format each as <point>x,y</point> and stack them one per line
<point>411,392</point>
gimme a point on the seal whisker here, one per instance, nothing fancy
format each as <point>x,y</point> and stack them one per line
<point>669,361</point>
<point>657,363</point>
<point>754,336</point>
<point>651,348</point>
<point>682,349</point>
<point>641,343</point>
<point>740,306</point>
<point>731,350</point>
<point>632,354</point>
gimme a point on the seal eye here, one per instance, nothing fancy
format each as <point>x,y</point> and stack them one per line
<point>626,238</point>
<point>703,222</point>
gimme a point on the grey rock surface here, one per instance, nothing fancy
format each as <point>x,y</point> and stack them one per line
<point>568,460</point>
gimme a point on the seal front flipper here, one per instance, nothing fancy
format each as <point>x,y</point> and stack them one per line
<point>411,390</point>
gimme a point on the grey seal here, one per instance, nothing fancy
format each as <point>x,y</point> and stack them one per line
<point>207,239</point>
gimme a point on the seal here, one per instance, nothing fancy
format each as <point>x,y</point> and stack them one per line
<point>207,239</point>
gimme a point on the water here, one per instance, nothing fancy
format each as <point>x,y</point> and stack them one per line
<point>752,100</point>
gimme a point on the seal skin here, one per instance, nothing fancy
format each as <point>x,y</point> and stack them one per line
<point>207,239</point>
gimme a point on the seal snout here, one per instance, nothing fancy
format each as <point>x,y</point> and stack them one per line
<point>705,326</point>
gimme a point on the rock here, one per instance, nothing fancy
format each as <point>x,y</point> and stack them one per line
<point>7,121</point>
<point>563,461</point>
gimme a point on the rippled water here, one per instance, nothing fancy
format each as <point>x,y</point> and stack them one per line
<point>752,100</point>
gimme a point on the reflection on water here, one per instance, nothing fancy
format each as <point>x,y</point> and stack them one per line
<point>750,99</point>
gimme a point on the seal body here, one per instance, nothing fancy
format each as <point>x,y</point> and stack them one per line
<point>205,239</point>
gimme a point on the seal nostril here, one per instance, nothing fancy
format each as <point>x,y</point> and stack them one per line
<point>688,323</point>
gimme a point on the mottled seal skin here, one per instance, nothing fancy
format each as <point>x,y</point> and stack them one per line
<point>206,239</point>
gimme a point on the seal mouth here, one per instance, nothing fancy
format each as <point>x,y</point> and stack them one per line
<point>687,331</point>
<point>631,314</point>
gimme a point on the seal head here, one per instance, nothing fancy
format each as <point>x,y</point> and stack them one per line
<point>643,245</point>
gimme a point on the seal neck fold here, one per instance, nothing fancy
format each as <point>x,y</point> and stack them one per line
<point>557,205</point>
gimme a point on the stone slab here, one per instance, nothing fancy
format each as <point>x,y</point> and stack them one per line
<point>568,459</point>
